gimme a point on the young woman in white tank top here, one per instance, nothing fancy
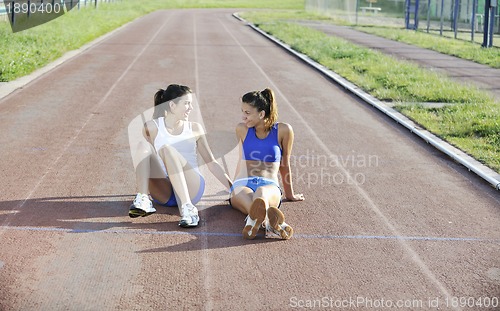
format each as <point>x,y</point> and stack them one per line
<point>169,171</point>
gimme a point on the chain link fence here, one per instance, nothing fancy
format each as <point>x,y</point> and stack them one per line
<point>460,19</point>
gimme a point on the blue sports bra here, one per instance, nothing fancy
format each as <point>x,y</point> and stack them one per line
<point>266,150</point>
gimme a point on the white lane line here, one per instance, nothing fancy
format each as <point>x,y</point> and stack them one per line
<point>205,233</point>
<point>89,118</point>
<point>205,260</point>
<point>414,256</point>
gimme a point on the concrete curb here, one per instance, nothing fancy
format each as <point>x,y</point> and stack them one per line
<point>458,155</point>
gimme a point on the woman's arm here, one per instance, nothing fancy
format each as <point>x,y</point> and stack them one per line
<point>241,133</point>
<point>206,154</point>
<point>149,131</point>
<point>286,132</point>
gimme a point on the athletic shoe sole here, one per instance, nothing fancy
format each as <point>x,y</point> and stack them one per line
<point>277,223</point>
<point>194,222</point>
<point>257,214</point>
<point>137,212</point>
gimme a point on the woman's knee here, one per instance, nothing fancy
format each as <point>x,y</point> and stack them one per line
<point>241,201</point>
<point>143,151</point>
<point>264,192</point>
<point>143,146</point>
<point>169,153</point>
<point>168,150</point>
<point>269,194</point>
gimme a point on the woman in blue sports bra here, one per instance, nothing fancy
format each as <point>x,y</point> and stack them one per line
<point>169,170</point>
<point>265,149</point>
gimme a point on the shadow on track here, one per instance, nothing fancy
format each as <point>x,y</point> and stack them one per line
<point>220,225</point>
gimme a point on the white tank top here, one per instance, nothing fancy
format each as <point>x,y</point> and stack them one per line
<point>184,143</point>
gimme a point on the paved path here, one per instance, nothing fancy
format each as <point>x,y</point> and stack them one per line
<point>386,217</point>
<point>465,71</point>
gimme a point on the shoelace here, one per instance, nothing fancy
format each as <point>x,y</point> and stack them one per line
<point>190,208</point>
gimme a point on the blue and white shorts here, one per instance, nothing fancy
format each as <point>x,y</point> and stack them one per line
<point>172,201</point>
<point>253,183</point>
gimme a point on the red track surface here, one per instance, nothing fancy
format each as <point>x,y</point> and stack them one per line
<point>414,228</point>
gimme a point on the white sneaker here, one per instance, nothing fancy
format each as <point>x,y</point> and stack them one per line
<point>276,225</point>
<point>142,206</point>
<point>189,216</point>
<point>254,219</point>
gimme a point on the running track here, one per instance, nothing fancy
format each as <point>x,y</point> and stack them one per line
<point>386,217</point>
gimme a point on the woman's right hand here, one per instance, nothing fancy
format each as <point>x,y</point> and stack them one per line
<point>296,197</point>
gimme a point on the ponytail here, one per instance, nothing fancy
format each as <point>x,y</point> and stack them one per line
<point>272,111</point>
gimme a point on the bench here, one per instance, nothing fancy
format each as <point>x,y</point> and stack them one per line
<point>365,9</point>
<point>480,21</point>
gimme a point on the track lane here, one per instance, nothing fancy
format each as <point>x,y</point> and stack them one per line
<point>212,267</point>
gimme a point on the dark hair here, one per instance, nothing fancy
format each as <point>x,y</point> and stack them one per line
<point>172,92</point>
<point>263,101</point>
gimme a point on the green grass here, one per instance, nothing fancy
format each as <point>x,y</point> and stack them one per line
<point>450,46</point>
<point>471,121</point>
<point>264,4</point>
<point>474,128</point>
<point>26,51</point>
<point>23,52</point>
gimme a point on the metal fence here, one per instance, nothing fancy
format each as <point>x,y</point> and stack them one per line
<point>461,19</point>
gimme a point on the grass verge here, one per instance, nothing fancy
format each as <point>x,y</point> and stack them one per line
<point>470,122</point>
<point>460,48</point>
<point>23,52</point>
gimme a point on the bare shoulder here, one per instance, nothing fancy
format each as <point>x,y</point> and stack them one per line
<point>285,135</point>
<point>151,127</point>
<point>241,127</point>
<point>284,128</point>
<point>241,130</point>
<point>197,128</point>
<point>150,123</point>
